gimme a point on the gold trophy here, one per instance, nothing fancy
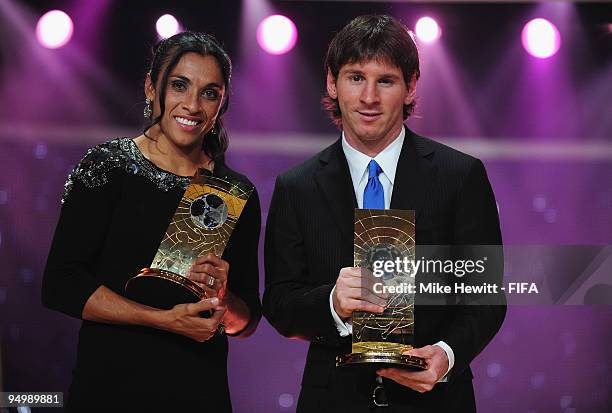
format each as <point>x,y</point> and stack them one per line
<point>203,222</point>
<point>380,339</point>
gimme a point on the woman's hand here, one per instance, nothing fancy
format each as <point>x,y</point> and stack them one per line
<point>185,319</point>
<point>210,272</point>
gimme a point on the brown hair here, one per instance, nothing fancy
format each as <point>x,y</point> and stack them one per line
<point>371,37</point>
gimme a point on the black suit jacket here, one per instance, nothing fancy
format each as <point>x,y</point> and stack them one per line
<point>309,238</point>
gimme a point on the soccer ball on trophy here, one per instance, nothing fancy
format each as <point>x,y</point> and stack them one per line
<point>208,211</point>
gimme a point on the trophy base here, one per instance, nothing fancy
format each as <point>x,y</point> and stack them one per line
<point>163,289</point>
<point>377,361</point>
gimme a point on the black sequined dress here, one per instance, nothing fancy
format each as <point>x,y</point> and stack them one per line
<point>116,208</point>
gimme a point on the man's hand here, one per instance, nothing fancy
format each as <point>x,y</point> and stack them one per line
<point>354,292</point>
<point>421,381</point>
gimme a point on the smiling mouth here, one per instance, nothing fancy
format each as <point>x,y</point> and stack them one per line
<point>370,115</point>
<point>187,122</point>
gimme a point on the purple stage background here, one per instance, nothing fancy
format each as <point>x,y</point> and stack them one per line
<point>543,129</point>
<point>544,358</point>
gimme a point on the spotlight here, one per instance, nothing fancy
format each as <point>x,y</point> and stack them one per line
<point>427,30</point>
<point>541,38</point>
<point>54,29</point>
<point>167,26</point>
<point>276,34</point>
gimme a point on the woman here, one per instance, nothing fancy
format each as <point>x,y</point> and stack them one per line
<point>117,205</point>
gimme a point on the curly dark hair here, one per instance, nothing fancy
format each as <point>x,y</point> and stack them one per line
<point>371,37</point>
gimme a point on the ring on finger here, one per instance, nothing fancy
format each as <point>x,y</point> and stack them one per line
<point>210,281</point>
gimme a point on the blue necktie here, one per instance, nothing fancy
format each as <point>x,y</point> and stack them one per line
<point>374,194</point>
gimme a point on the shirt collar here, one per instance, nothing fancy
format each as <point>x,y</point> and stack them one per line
<point>387,159</point>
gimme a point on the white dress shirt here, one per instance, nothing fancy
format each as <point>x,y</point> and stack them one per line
<point>358,162</point>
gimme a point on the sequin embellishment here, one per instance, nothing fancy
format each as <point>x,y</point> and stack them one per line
<point>121,153</point>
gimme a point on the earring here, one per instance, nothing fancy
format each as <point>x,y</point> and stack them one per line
<point>148,111</point>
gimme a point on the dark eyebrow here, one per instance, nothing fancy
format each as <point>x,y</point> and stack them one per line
<point>186,80</point>
<point>354,72</point>
<point>390,76</point>
<point>183,78</point>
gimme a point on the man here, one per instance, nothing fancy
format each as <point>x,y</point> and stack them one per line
<point>311,287</point>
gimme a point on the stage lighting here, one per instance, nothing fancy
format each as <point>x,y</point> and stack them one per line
<point>541,38</point>
<point>54,29</point>
<point>167,26</point>
<point>276,34</point>
<point>427,30</point>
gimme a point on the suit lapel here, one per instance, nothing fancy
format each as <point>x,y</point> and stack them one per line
<point>334,181</point>
<point>414,172</point>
